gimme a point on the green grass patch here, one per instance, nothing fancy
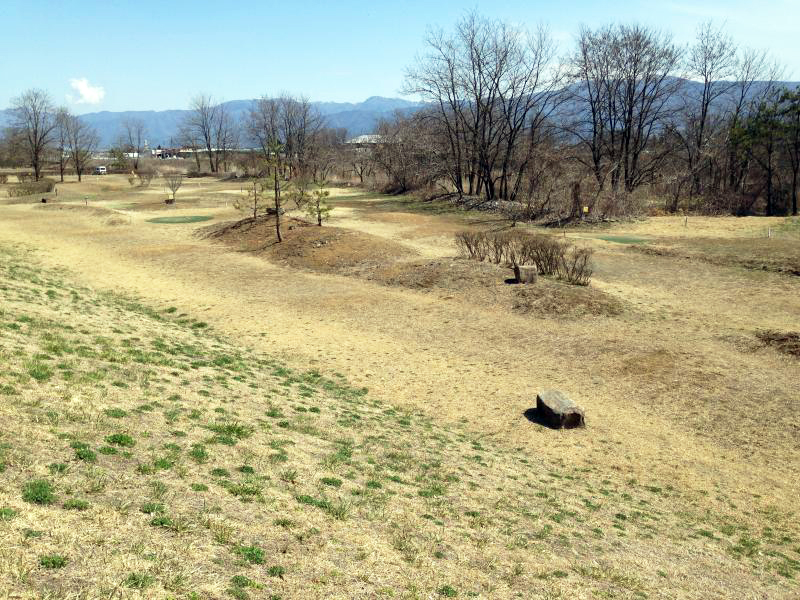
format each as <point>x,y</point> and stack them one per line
<point>623,239</point>
<point>53,561</point>
<point>39,491</point>
<point>180,220</point>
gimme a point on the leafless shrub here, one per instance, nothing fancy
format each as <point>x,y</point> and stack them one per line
<point>3,178</point>
<point>472,244</point>
<point>145,176</point>
<point>30,188</point>
<point>545,252</point>
<point>173,181</point>
<point>515,248</point>
<point>575,267</point>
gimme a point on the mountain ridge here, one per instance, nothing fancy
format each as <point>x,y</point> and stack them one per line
<point>162,125</point>
<point>356,118</point>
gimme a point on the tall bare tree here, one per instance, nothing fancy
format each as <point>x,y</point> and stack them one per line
<point>492,88</point>
<point>289,121</point>
<point>203,124</point>
<point>135,135</point>
<point>712,62</point>
<point>61,140</point>
<point>82,140</point>
<point>626,79</point>
<point>187,137</point>
<point>34,119</point>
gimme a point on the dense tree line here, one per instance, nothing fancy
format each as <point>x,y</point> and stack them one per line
<point>628,114</point>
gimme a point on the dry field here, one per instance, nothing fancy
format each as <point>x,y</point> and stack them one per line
<point>190,411</point>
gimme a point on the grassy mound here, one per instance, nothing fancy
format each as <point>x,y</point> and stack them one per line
<point>180,220</point>
<point>142,454</point>
<point>550,297</point>
<point>323,249</point>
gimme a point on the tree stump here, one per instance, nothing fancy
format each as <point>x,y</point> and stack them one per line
<point>527,274</point>
<point>557,410</point>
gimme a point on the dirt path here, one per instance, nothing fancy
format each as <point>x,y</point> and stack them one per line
<point>654,383</point>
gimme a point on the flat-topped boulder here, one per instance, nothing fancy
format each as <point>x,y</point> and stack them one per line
<point>557,410</point>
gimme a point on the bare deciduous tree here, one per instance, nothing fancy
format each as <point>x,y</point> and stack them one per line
<point>61,140</point>
<point>135,134</point>
<point>712,62</point>
<point>82,140</point>
<point>173,181</point>
<point>35,120</point>
<point>211,127</point>
<point>492,88</point>
<point>626,78</point>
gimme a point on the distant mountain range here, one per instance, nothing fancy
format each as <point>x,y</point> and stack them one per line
<point>162,126</point>
<point>356,117</point>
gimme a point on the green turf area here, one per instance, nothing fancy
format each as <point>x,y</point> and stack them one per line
<point>623,239</point>
<point>186,219</point>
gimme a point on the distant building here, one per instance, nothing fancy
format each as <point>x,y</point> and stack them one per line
<point>165,153</point>
<point>369,139</point>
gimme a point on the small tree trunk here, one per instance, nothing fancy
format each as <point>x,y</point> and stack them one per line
<point>277,207</point>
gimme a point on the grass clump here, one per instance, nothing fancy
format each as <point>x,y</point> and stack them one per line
<point>138,581</point>
<point>86,455</point>
<point>57,468</point>
<point>6,514</point>
<point>39,491</point>
<point>162,521</point>
<point>76,504</point>
<point>152,508</point>
<point>53,561</point>
<point>121,439</point>
<point>252,554</point>
<point>198,453</point>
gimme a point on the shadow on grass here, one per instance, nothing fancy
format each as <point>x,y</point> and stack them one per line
<point>534,416</point>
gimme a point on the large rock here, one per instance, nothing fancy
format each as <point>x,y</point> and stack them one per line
<point>557,410</point>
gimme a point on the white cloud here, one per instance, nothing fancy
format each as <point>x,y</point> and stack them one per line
<point>87,93</point>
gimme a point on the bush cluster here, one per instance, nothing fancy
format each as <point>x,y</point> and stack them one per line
<point>29,188</point>
<point>550,255</point>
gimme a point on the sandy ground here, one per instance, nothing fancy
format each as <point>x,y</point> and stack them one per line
<point>674,389</point>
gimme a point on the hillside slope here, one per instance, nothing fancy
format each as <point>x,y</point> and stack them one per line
<point>141,454</point>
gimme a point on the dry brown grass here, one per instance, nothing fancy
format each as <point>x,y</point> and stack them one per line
<point>684,483</point>
<point>779,255</point>
<point>300,474</point>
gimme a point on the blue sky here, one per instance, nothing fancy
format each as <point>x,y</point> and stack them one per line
<point>119,55</point>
